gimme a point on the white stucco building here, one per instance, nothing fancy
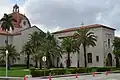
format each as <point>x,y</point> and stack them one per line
<point>20,35</point>
<point>96,56</point>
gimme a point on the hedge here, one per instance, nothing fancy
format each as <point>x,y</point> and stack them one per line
<point>62,71</point>
<point>15,65</point>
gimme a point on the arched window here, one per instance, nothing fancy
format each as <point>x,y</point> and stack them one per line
<point>89,56</point>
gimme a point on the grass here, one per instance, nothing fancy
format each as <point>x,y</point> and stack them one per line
<point>14,72</point>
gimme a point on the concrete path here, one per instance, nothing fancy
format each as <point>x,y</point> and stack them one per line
<point>111,76</point>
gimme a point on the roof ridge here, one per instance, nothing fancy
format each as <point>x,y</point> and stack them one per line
<point>85,26</point>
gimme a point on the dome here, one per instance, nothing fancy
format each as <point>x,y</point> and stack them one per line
<point>18,17</point>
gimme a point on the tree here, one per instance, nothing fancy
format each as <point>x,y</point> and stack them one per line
<point>27,49</point>
<point>67,45</point>
<point>76,48</point>
<point>50,48</point>
<point>86,38</point>
<point>12,54</point>
<point>116,51</point>
<point>35,40</point>
<point>7,24</point>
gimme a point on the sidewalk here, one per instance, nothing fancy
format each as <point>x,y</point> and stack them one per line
<point>56,76</point>
<point>67,75</point>
<point>12,78</point>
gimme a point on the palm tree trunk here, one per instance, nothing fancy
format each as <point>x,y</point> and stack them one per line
<point>6,41</point>
<point>78,54</point>
<point>8,63</point>
<point>36,63</point>
<point>68,60</point>
<point>28,61</point>
<point>84,47</point>
<point>57,61</point>
<point>40,62</point>
<point>49,61</point>
<point>117,61</point>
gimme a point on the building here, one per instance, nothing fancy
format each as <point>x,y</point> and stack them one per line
<point>20,35</point>
<point>96,56</point>
<point>100,55</point>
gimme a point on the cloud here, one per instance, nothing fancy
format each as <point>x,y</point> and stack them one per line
<point>45,29</point>
<point>6,6</point>
<point>59,14</point>
<point>70,13</point>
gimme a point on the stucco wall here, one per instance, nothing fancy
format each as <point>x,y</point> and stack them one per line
<point>98,50</point>
<point>20,40</point>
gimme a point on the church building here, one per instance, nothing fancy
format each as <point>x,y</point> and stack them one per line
<point>100,55</point>
<point>96,56</point>
<point>20,35</point>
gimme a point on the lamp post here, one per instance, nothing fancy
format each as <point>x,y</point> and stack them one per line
<point>6,63</point>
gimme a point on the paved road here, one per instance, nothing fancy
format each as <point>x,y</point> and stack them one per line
<point>115,76</point>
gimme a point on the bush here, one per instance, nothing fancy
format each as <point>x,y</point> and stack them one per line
<point>62,71</point>
<point>103,69</point>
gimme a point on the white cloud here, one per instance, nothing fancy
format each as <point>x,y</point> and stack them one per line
<point>54,15</point>
<point>45,29</point>
<point>69,13</point>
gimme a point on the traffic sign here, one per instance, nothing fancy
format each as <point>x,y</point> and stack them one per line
<point>44,58</point>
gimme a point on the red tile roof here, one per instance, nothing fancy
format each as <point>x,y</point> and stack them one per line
<point>88,26</point>
<point>11,34</point>
<point>18,17</point>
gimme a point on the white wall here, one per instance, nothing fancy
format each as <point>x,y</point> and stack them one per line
<point>20,40</point>
<point>98,50</point>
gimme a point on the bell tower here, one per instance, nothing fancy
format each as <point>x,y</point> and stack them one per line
<point>15,8</point>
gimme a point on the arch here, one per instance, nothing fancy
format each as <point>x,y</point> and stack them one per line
<point>109,61</point>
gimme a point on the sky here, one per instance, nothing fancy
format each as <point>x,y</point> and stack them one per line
<point>55,15</point>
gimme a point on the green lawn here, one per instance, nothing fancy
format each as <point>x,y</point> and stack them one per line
<point>14,72</point>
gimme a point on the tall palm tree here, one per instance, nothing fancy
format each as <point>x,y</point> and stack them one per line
<point>27,50</point>
<point>76,48</point>
<point>67,45</point>
<point>50,48</point>
<point>86,38</point>
<point>7,24</point>
<point>12,54</point>
<point>116,51</point>
<point>35,40</point>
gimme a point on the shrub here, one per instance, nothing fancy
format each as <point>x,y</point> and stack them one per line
<point>103,69</point>
<point>62,71</point>
<point>38,73</point>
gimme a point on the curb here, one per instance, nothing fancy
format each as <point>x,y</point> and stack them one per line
<point>68,75</point>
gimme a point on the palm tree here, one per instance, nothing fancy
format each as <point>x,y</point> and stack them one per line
<point>7,24</point>
<point>76,48</point>
<point>12,54</point>
<point>27,49</point>
<point>67,45</point>
<point>116,51</point>
<point>50,48</point>
<point>86,38</point>
<point>35,42</point>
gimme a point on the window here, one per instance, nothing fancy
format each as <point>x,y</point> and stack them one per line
<point>24,22</point>
<point>89,55</point>
<point>97,58</point>
<point>108,43</point>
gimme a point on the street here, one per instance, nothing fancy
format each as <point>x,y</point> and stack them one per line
<point>115,76</point>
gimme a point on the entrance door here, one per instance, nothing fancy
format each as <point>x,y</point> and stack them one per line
<point>109,59</point>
